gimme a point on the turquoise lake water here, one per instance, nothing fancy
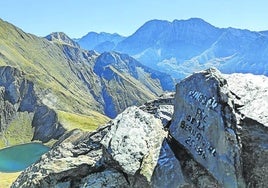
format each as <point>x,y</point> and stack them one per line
<point>19,157</point>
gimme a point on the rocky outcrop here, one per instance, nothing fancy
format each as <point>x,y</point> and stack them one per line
<point>210,141</point>
<point>204,122</point>
<point>17,96</point>
<point>61,38</point>
<point>252,104</point>
<point>126,82</point>
<point>123,153</point>
<point>162,108</point>
<point>115,81</point>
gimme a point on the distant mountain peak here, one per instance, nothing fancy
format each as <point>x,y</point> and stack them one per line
<point>193,22</point>
<point>62,38</point>
<point>100,42</point>
<point>197,20</point>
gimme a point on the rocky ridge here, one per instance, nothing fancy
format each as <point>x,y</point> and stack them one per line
<point>107,74</point>
<point>65,80</point>
<point>19,101</point>
<point>210,142</point>
<point>183,46</point>
<point>61,38</point>
<point>101,42</point>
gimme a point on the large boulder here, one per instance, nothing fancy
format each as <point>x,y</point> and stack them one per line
<point>221,121</point>
<point>134,141</point>
<point>204,122</point>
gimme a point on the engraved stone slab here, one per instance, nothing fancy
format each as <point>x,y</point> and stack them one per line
<point>204,122</point>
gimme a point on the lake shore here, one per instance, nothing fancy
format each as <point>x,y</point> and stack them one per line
<point>6,179</point>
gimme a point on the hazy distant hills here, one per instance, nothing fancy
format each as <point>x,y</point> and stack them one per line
<point>183,46</point>
<point>100,41</point>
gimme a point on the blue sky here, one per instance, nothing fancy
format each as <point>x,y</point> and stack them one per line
<point>77,17</point>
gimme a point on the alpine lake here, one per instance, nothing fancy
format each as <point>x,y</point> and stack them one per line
<point>19,157</point>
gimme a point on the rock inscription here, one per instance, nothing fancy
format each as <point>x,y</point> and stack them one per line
<point>194,125</point>
<point>200,124</point>
<point>194,128</point>
<point>203,99</point>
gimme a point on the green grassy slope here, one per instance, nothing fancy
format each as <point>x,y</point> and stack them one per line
<point>47,66</point>
<point>52,72</point>
<point>65,81</point>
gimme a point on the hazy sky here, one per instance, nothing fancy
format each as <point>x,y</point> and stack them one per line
<point>77,17</point>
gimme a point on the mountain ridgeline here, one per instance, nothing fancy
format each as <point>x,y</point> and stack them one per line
<point>184,46</point>
<point>79,88</point>
<point>100,42</point>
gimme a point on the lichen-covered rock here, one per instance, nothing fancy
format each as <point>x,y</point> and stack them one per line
<point>204,122</point>
<point>251,93</point>
<point>107,178</point>
<point>134,141</point>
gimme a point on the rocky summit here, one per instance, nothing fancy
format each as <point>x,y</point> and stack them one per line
<point>211,133</point>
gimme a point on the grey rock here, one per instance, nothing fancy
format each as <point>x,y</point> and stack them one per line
<point>50,127</point>
<point>12,93</point>
<point>63,165</point>
<point>168,171</point>
<point>252,104</point>
<point>28,99</point>
<point>251,95</point>
<point>7,112</point>
<point>254,140</point>
<point>134,141</point>
<point>124,153</point>
<point>204,122</point>
<point>194,174</point>
<point>107,178</point>
<point>162,108</point>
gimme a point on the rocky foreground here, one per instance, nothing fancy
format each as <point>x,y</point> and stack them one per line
<point>212,133</point>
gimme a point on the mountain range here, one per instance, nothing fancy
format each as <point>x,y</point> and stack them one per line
<point>100,42</point>
<point>69,87</point>
<point>184,46</point>
<point>54,90</point>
